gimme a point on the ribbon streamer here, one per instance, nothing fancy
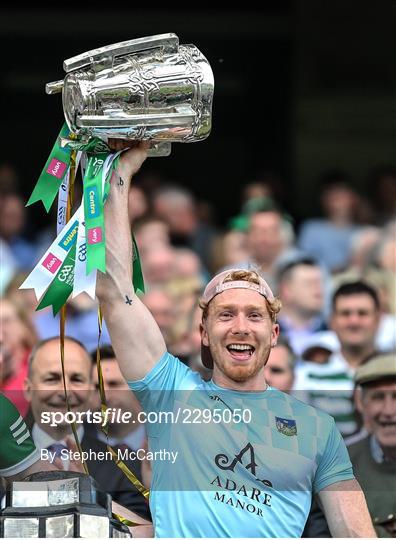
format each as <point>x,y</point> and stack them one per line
<point>53,172</point>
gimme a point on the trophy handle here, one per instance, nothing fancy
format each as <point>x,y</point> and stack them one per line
<point>169,43</point>
<point>54,87</point>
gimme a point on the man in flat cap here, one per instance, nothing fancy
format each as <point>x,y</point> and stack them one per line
<point>374,457</point>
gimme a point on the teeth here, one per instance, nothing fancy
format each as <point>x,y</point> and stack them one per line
<point>240,347</point>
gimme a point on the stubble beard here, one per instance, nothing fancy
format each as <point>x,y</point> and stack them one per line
<point>242,373</point>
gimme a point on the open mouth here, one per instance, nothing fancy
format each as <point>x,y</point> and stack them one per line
<point>240,351</point>
<point>389,425</point>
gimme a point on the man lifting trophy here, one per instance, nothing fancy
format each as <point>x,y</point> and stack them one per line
<point>148,93</point>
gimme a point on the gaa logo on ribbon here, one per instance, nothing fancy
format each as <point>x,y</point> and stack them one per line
<point>51,263</point>
<point>56,168</point>
<point>91,196</point>
<point>95,235</point>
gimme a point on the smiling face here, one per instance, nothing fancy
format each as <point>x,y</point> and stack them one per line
<point>44,385</point>
<point>355,320</point>
<point>377,404</point>
<point>239,331</point>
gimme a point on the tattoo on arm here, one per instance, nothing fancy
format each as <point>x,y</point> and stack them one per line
<point>128,300</point>
<point>120,181</point>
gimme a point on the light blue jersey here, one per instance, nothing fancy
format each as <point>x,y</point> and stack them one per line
<point>233,478</point>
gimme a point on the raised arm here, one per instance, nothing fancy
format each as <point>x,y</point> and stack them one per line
<point>135,336</point>
<point>346,510</point>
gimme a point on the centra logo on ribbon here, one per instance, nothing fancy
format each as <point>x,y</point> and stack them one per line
<point>70,237</point>
<point>56,168</point>
<point>51,263</point>
<point>91,198</point>
<point>95,235</point>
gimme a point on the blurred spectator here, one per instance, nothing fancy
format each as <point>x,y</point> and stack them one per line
<point>374,457</point>
<point>81,322</point>
<point>158,265</point>
<point>194,336</point>
<point>229,249</point>
<point>137,203</point>
<point>8,266</point>
<point>386,258</point>
<point>329,239</point>
<point>329,386</point>
<point>302,293</point>
<point>178,208</point>
<point>279,369</point>
<point>44,390</point>
<point>129,435</point>
<point>318,347</point>
<point>12,223</point>
<point>160,303</point>
<point>24,299</point>
<point>380,272</point>
<point>17,337</point>
<point>120,397</point>
<point>382,188</point>
<point>9,179</point>
<point>188,266</point>
<point>270,239</point>
<point>151,232</point>
<point>363,244</point>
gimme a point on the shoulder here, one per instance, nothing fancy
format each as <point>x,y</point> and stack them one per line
<point>168,374</point>
<point>314,420</point>
<point>313,225</point>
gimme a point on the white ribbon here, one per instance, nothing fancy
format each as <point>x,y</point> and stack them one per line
<point>62,197</point>
<point>45,271</point>
<point>67,234</point>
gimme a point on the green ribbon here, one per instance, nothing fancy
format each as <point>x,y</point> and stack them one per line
<point>138,281</point>
<point>93,213</point>
<point>93,145</point>
<point>46,189</point>
<point>62,285</point>
<point>53,172</point>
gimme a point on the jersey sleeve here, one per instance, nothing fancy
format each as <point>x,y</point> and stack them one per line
<point>156,391</point>
<point>17,449</point>
<point>334,465</point>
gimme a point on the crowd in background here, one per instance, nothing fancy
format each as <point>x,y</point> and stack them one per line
<point>335,275</point>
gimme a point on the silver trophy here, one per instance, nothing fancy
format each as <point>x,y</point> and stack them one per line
<point>59,504</point>
<point>150,88</point>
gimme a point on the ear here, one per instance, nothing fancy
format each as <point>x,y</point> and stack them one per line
<point>274,334</point>
<point>331,323</point>
<point>204,334</point>
<point>27,389</point>
<point>358,399</point>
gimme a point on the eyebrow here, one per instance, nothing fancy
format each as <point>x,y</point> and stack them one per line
<point>248,307</point>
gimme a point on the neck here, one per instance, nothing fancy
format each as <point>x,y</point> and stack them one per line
<point>299,318</point>
<point>264,265</point>
<point>58,433</point>
<point>355,355</point>
<point>341,220</point>
<point>254,384</point>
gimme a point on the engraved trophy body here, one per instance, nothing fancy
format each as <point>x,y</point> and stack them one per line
<point>148,89</point>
